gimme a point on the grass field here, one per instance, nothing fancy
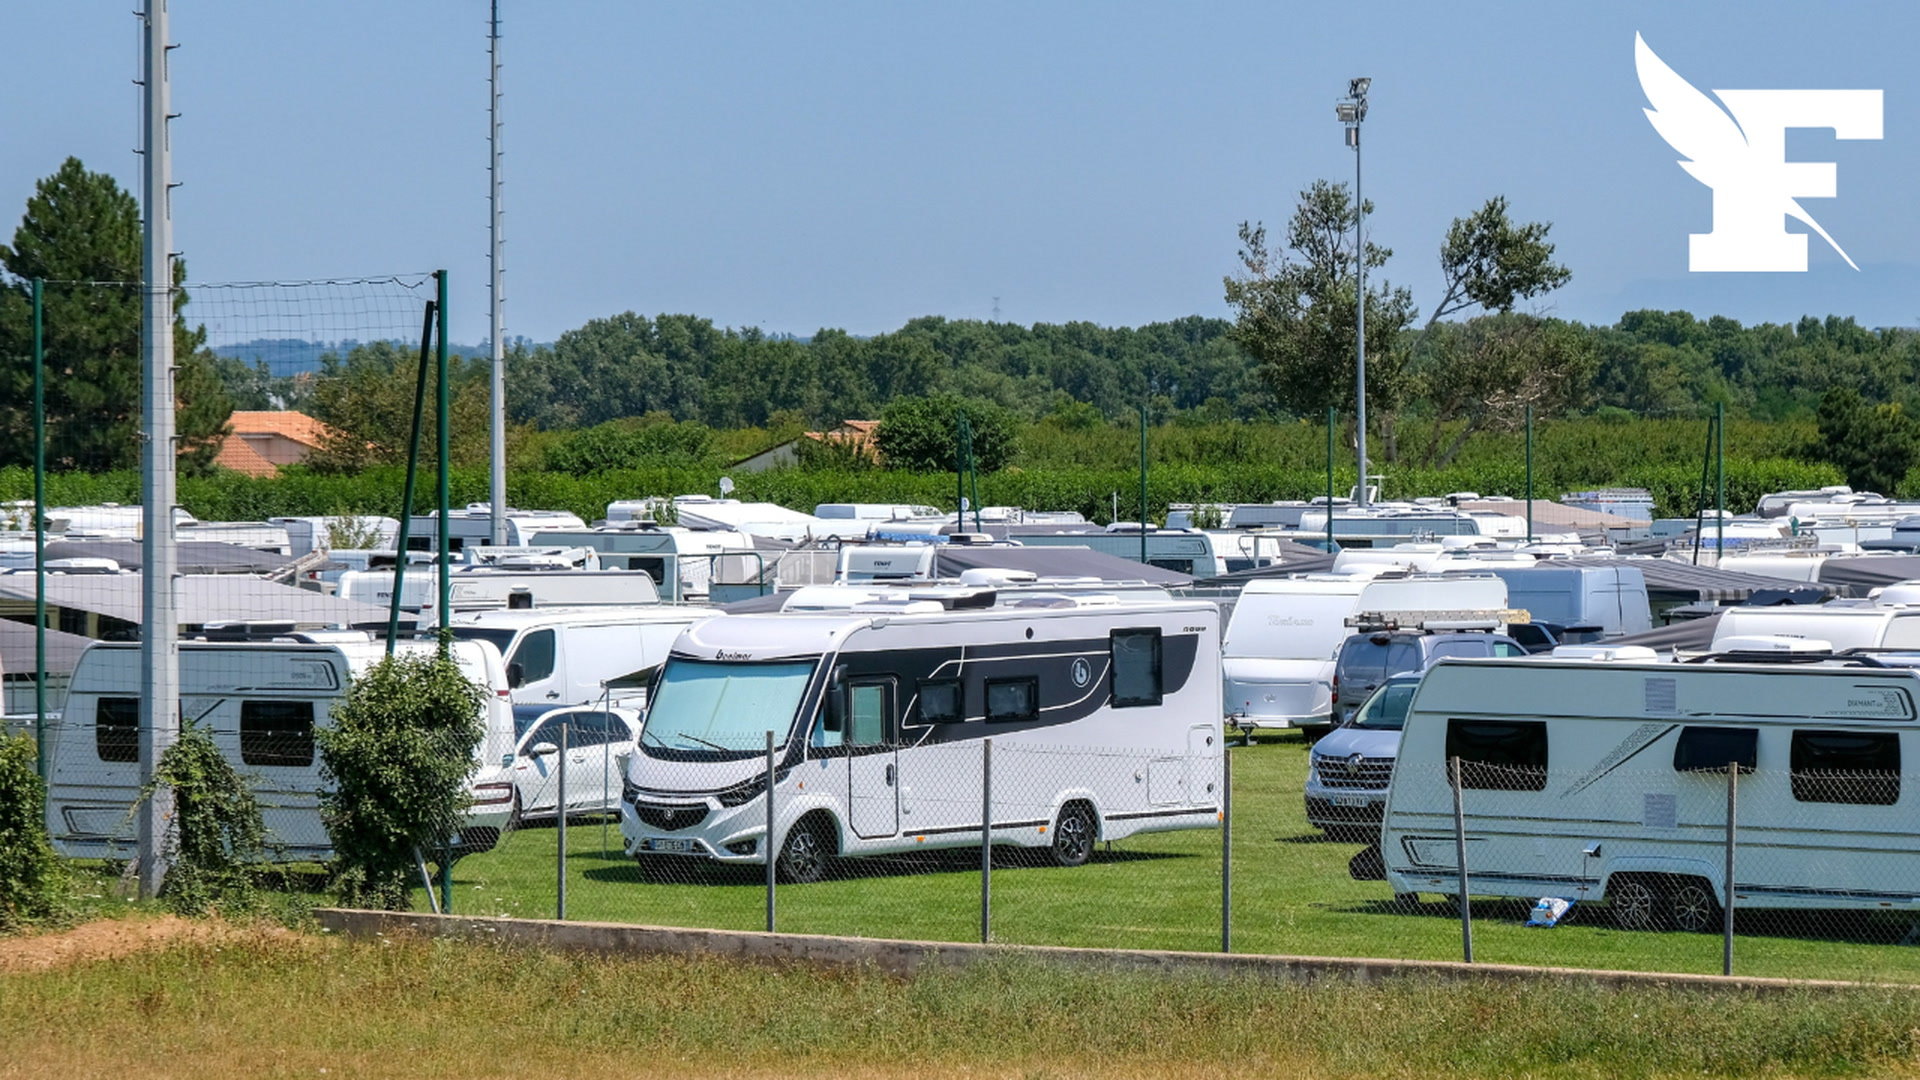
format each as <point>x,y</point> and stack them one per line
<point>1291,894</point>
<point>273,1004</point>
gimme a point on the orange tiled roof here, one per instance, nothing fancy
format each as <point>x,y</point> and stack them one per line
<point>287,423</point>
<point>235,454</point>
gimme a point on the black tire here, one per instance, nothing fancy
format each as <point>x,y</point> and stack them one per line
<point>1074,834</point>
<point>1637,904</point>
<point>514,818</point>
<point>1406,899</point>
<point>1692,907</point>
<point>804,857</point>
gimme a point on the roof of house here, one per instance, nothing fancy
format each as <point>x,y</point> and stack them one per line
<point>235,454</point>
<point>238,454</point>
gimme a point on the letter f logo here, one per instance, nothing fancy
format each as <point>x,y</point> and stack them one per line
<point>1743,158</point>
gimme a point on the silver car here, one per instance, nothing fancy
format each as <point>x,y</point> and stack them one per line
<point>1348,770</point>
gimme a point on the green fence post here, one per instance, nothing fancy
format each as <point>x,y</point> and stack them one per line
<point>1330,418</point>
<point>1720,475</point>
<point>1529,474</point>
<point>413,471</point>
<point>445,435</point>
<point>1143,485</point>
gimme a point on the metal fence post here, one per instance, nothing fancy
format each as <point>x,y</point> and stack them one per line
<point>1460,855</point>
<point>770,835</point>
<point>1226,848</point>
<point>39,530</point>
<point>1726,909</point>
<point>986,839</point>
<point>560,824</point>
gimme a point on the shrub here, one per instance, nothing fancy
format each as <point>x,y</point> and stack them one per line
<point>32,879</point>
<point>622,444</point>
<point>920,433</point>
<point>396,759</point>
<point>217,835</point>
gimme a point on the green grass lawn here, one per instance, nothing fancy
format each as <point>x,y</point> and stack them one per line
<point>1291,894</point>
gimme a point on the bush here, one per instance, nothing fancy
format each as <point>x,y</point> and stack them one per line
<point>396,759</point>
<point>623,444</point>
<point>32,879</point>
<point>217,835</point>
<point>920,433</point>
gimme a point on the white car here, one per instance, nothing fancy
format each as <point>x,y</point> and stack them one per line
<point>598,741</point>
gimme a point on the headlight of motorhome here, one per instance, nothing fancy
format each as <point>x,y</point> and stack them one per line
<point>741,794</point>
<point>628,792</point>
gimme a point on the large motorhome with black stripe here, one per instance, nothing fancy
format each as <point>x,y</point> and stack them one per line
<point>1105,719</point>
<point>1597,778</point>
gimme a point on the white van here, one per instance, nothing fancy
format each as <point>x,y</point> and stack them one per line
<point>1585,780</point>
<point>261,701</point>
<point>1285,632</point>
<point>556,657</point>
<point>1105,721</point>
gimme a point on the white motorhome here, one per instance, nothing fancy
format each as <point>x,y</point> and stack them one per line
<point>1593,779</point>
<point>1285,632</point>
<point>261,702</point>
<point>485,588</point>
<point>681,561</point>
<point>557,657</point>
<point>473,527</point>
<point>1105,721</point>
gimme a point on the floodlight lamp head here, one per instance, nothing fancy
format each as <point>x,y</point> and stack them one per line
<point>1358,87</point>
<point>1348,112</point>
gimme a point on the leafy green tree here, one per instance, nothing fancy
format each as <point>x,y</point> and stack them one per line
<point>1488,370</point>
<point>396,760</point>
<point>32,878</point>
<point>1874,445</point>
<point>81,232</point>
<point>366,398</point>
<point>626,444</point>
<point>1491,263</point>
<point>1296,309</point>
<point>217,837</point>
<point>921,434</point>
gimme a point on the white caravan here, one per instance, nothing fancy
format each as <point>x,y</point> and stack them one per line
<point>1105,721</point>
<point>556,657</point>
<point>261,701</point>
<point>1285,633</point>
<point>1590,779</point>
<point>680,560</point>
<point>1840,624</point>
<point>484,588</point>
<point>365,532</point>
<point>473,527</point>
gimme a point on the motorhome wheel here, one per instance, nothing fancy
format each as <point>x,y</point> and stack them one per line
<point>1073,835</point>
<point>803,859</point>
<point>1693,908</point>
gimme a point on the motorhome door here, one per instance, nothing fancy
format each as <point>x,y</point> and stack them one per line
<point>873,770</point>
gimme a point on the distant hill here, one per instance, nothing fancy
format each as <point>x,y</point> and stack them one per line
<point>296,356</point>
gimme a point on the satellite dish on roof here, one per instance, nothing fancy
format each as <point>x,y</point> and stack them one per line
<point>726,486</point>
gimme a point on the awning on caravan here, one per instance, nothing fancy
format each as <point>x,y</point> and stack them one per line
<point>1691,635</point>
<point>1858,574</point>
<point>200,599</point>
<point>1686,583</point>
<point>195,556</point>
<point>1295,559</point>
<point>1051,562</point>
<point>16,650</point>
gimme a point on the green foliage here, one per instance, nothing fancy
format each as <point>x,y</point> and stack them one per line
<point>81,233</point>
<point>1875,446</point>
<point>626,444</point>
<point>835,453</point>
<point>1488,371</point>
<point>921,434</point>
<point>351,532</point>
<point>396,758</point>
<point>367,396</point>
<point>1489,262</point>
<point>217,836</point>
<point>32,880</point>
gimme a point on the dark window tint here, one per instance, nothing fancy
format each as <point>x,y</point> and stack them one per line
<point>1708,749</point>
<point>1499,755</point>
<point>276,732</point>
<point>116,729</point>
<point>535,656</point>
<point>1013,699</point>
<point>1846,767</point>
<point>1403,655</point>
<point>939,702</point>
<point>1136,667</point>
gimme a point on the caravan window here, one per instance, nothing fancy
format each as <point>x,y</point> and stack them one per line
<point>276,733</point>
<point>1136,667</point>
<point>1708,749</point>
<point>1499,755</point>
<point>1860,767</point>
<point>116,729</point>
<point>1010,700</point>
<point>939,702</point>
<point>535,656</point>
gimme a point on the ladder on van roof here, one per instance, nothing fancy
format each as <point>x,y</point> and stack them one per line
<point>1439,619</point>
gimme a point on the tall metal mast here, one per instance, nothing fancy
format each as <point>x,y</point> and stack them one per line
<point>497,490</point>
<point>159,630</point>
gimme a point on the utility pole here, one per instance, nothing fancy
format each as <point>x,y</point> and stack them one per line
<point>1352,111</point>
<point>497,489</point>
<point>159,629</point>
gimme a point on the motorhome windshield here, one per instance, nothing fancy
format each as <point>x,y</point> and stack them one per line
<point>1386,710</point>
<point>724,705</point>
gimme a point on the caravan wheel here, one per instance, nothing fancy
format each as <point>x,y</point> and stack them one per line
<point>1692,907</point>
<point>1073,835</point>
<point>1635,903</point>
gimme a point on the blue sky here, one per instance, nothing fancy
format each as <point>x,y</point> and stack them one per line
<point>858,164</point>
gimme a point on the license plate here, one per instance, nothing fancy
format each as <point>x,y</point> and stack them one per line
<point>682,847</point>
<point>1352,800</point>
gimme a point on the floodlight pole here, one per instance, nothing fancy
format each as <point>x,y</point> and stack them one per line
<point>1352,112</point>
<point>159,650</point>
<point>497,487</point>
<point>39,529</point>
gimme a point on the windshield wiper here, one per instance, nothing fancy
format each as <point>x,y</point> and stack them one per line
<point>703,742</point>
<point>657,740</point>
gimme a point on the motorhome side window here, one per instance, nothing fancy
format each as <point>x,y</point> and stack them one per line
<point>1013,699</point>
<point>116,729</point>
<point>1709,749</point>
<point>1136,667</point>
<point>867,709</point>
<point>939,702</point>
<point>276,733</point>
<point>534,657</point>
<point>1859,767</point>
<point>1499,755</point>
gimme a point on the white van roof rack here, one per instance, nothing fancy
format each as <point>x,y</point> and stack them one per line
<point>1455,619</point>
